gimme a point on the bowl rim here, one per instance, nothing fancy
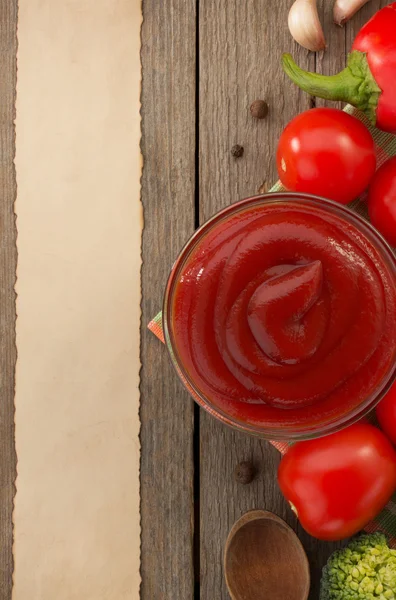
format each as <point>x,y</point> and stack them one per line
<point>282,433</point>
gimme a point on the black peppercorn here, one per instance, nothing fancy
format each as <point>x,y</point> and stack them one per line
<point>237,151</point>
<point>244,472</point>
<point>259,109</point>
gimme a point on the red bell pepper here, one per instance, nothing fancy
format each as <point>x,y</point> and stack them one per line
<point>369,80</point>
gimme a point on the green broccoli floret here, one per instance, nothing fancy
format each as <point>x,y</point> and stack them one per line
<point>364,570</point>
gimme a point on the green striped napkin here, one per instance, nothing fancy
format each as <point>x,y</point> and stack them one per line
<point>385,147</point>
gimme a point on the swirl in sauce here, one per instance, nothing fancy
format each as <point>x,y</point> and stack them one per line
<point>285,314</point>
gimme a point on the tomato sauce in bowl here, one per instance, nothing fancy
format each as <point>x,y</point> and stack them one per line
<point>280,316</point>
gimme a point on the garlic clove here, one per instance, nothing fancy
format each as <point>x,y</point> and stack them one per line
<point>345,9</point>
<point>304,25</point>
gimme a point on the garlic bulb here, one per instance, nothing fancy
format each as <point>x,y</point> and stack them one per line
<point>305,26</point>
<point>345,9</point>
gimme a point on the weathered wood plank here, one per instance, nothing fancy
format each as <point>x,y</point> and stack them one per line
<point>168,146</point>
<point>240,49</point>
<point>332,60</point>
<point>229,54</point>
<point>8,258</point>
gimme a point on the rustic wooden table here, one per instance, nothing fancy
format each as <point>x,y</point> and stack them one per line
<point>204,62</point>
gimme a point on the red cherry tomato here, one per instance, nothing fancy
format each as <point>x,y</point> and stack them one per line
<point>338,483</point>
<point>386,414</point>
<point>325,151</point>
<point>382,200</point>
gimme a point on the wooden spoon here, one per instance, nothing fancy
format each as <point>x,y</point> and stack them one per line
<point>264,560</point>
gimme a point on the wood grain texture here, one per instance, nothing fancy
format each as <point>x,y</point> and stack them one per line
<point>168,147</point>
<point>8,258</point>
<point>240,49</point>
<point>333,59</point>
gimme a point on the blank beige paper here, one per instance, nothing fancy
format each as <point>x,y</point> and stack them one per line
<point>78,166</point>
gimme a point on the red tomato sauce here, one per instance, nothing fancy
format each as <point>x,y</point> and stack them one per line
<point>285,315</point>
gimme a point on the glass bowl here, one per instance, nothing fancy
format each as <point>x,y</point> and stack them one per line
<point>280,432</point>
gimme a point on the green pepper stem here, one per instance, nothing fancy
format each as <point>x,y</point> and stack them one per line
<point>355,84</point>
